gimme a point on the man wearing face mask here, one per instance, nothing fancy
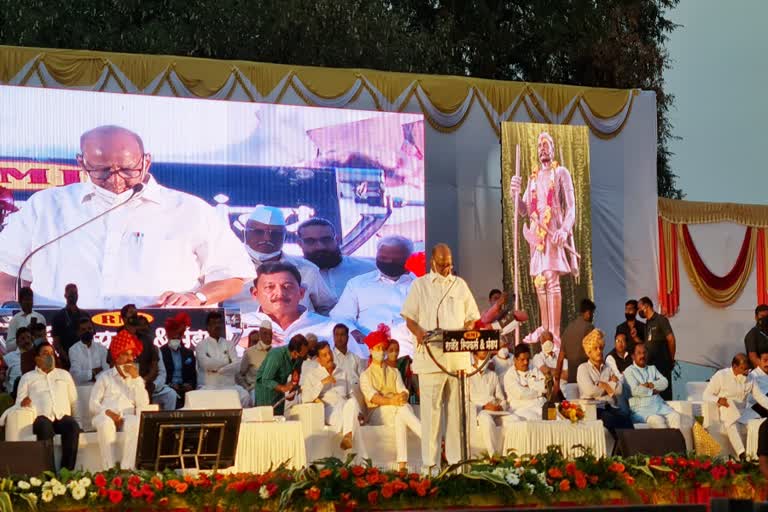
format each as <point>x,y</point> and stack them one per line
<point>756,340</point>
<point>259,343</point>
<point>730,388</point>
<point>65,326</point>
<point>142,252</point>
<point>378,296</point>
<point>117,398</point>
<point>439,300</point>
<point>632,329</point>
<point>88,359</point>
<point>264,237</point>
<point>50,392</point>
<point>178,362</point>
<point>320,244</point>
<point>660,342</point>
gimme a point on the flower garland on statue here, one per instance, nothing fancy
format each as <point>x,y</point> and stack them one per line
<point>541,226</point>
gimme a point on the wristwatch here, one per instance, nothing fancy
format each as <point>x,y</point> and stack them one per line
<point>203,298</point>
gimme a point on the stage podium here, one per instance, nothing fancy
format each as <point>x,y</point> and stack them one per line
<point>465,340</point>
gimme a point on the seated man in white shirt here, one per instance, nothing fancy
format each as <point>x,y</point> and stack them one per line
<point>23,318</point>
<point>378,296</point>
<point>87,359</point>
<point>525,386</point>
<point>352,364</point>
<point>597,382</point>
<point>730,389</point>
<point>13,359</point>
<point>644,383</point>
<point>217,361</point>
<point>117,399</point>
<point>327,384</point>
<point>546,360</point>
<point>487,398</point>
<point>50,392</point>
<point>264,237</point>
<point>279,290</point>
<point>387,398</point>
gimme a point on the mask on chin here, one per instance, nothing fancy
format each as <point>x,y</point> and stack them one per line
<point>378,356</point>
<point>174,344</point>
<point>260,256</point>
<point>110,197</point>
<point>325,259</point>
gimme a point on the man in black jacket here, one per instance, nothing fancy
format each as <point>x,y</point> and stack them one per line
<point>179,361</point>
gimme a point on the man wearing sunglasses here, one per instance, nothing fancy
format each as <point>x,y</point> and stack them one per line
<point>163,248</point>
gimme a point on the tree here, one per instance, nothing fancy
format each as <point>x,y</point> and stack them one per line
<point>600,43</point>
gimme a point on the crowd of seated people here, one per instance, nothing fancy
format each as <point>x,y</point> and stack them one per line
<point>354,368</point>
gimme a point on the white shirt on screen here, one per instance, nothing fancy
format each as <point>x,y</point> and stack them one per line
<point>308,322</point>
<point>84,360</point>
<point>449,298</point>
<point>318,297</point>
<point>337,277</point>
<point>163,240</point>
<point>53,394</point>
<point>19,320</point>
<point>371,299</point>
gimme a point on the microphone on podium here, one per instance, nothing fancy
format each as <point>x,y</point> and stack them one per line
<point>135,190</point>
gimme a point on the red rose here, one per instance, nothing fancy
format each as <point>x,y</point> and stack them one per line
<point>654,461</point>
<point>163,502</point>
<point>593,479</point>
<point>103,492</point>
<point>313,493</point>
<point>146,490</point>
<point>325,473</point>
<point>706,465</point>
<point>157,483</point>
<point>387,491</point>
<point>117,482</point>
<point>271,489</point>
<point>580,479</point>
<point>134,480</point>
<point>672,477</point>
<point>682,462</point>
<point>372,478</point>
<point>344,473</point>
<point>135,493</point>
<point>373,497</point>
<point>616,467</point>
<point>360,483</point>
<point>115,496</point>
<point>570,468</point>
<point>358,470</point>
<point>150,498</point>
<point>669,461</point>
<point>100,480</point>
<point>555,473</point>
<point>565,485</point>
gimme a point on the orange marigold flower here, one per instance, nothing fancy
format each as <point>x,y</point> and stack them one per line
<point>555,473</point>
<point>358,470</point>
<point>325,473</point>
<point>360,483</point>
<point>616,467</point>
<point>565,485</point>
<point>313,493</point>
<point>182,487</point>
<point>157,483</point>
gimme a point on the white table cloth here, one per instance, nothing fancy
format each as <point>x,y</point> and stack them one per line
<point>533,437</point>
<point>269,444</point>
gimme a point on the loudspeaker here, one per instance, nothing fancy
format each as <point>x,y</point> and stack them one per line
<point>26,457</point>
<point>649,441</point>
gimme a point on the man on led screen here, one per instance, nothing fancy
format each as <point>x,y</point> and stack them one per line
<point>162,247</point>
<point>320,244</point>
<point>264,239</point>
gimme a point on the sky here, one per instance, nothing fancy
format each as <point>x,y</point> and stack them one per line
<point>719,79</point>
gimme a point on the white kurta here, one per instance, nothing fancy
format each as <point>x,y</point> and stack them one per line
<point>217,364</point>
<point>445,302</point>
<point>588,376</point>
<point>132,255</point>
<point>401,417</point>
<point>484,388</point>
<point>126,397</point>
<point>550,361</point>
<point>84,359</point>
<point>373,298</point>
<point>525,392</point>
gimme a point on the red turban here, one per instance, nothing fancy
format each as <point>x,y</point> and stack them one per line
<point>376,338</point>
<point>177,321</point>
<point>417,263</point>
<point>123,342</point>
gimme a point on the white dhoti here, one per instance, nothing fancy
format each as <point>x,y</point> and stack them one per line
<point>403,418</point>
<point>439,392</point>
<point>669,420</point>
<point>344,418</point>
<point>245,397</point>
<point>489,435</point>
<point>106,432</point>
<point>166,397</point>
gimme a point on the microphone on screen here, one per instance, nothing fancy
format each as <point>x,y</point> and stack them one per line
<point>136,189</point>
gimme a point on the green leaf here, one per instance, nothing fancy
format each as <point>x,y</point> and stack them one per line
<point>5,502</point>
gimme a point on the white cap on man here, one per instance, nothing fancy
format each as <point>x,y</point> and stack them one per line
<point>266,324</point>
<point>268,215</point>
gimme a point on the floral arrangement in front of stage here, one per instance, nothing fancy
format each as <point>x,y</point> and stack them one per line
<point>571,411</point>
<point>332,484</point>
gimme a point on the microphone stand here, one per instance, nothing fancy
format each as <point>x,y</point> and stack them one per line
<point>136,189</point>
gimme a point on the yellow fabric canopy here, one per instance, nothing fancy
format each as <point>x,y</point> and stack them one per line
<point>695,212</point>
<point>207,77</point>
